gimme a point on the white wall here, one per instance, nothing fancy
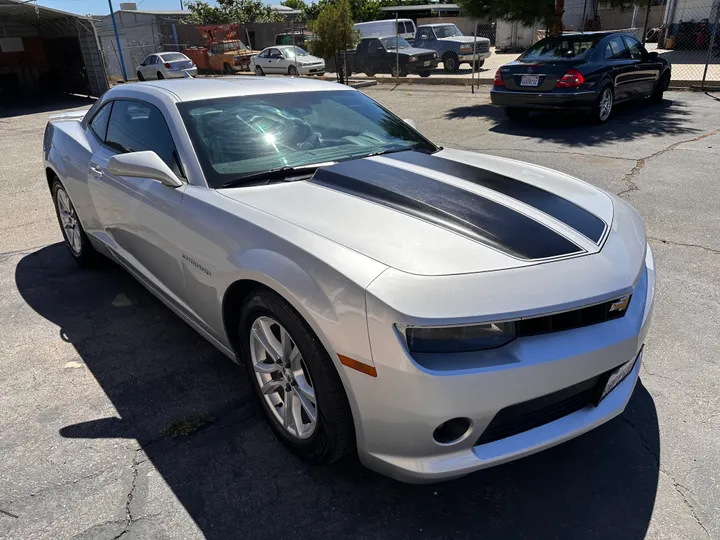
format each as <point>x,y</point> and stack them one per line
<point>694,10</point>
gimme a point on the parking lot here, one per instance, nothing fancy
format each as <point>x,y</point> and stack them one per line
<point>117,420</point>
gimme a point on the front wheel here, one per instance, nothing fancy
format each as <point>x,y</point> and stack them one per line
<point>259,71</point>
<point>294,380</point>
<point>398,71</point>
<point>660,87</point>
<point>292,71</point>
<point>140,76</point>
<point>227,69</point>
<point>451,63</point>
<point>424,73</point>
<point>603,106</point>
<point>75,238</point>
<point>479,64</point>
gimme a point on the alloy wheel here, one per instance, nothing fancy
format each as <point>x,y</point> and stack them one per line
<point>283,377</point>
<point>69,221</point>
<point>605,105</point>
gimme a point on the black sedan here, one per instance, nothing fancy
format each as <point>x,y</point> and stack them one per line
<point>588,72</point>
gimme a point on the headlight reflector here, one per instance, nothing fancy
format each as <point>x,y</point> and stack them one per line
<point>452,339</point>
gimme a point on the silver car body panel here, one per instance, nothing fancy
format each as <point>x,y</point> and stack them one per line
<point>359,271</point>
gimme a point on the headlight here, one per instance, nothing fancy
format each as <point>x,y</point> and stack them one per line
<point>465,48</point>
<point>451,339</point>
<point>434,55</point>
<point>412,59</point>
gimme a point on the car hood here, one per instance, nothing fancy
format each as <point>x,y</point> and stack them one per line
<point>309,59</point>
<point>464,39</point>
<point>409,51</point>
<point>452,212</point>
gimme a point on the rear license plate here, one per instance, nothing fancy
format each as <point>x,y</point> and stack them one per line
<point>427,63</point>
<point>529,80</point>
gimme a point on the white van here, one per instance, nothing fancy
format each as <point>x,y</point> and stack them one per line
<point>405,28</point>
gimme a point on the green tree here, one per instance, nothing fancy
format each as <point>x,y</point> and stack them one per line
<point>334,32</point>
<point>295,4</point>
<point>231,11</point>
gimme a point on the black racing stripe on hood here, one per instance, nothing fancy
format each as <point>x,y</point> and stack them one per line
<point>448,206</point>
<point>568,212</point>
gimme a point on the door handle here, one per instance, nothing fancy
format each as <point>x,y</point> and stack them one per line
<point>96,171</point>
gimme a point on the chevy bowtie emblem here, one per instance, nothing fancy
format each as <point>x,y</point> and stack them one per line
<point>620,304</point>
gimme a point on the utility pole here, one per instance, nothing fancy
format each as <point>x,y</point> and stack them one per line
<point>117,39</point>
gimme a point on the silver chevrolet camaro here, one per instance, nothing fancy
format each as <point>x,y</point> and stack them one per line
<point>442,311</point>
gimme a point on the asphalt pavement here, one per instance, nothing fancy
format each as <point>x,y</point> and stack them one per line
<point>119,421</point>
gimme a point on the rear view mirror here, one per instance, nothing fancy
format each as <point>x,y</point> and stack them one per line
<point>146,164</point>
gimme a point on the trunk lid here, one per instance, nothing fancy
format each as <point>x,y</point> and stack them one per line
<point>534,76</point>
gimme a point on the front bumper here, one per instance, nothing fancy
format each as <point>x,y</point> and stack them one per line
<point>554,100</point>
<point>426,65</point>
<point>469,57</point>
<point>318,69</point>
<point>408,401</point>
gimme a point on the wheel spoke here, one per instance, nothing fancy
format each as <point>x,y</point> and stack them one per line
<point>263,337</point>
<point>286,344</point>
<point>306,404</point>
<point>288,417</point>
<point>271,386</point>
<point>296,409</point>
<point>262,367</point>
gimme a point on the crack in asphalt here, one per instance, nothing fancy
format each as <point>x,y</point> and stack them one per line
<point>677,485</point>
<point>681,489</point>
<point>129,498</point>
<point>684,244</point>
<point>629,178</point>
<point>9,514</point>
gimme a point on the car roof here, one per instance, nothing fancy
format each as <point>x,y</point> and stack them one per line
<point>240,85</point>
<point>438,24</point>
<point>598,33</point>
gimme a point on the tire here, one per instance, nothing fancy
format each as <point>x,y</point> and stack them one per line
<point>600,113</point>
<point>660,87</point>
<point>479,64</point>
<point>259,71</point>
<point>398,72</point>
<point>75,238</point>
<point>140,76</point>
<point>227,69</point>
<point>332,436</point>
<point>160,76</point>
<point>451,63</point>
<point>514,113</point>
<point>292,71</point>
<point>424,73</point>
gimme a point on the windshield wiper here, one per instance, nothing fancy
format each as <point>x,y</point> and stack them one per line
<point>403,149</point>
<point>279,173</point>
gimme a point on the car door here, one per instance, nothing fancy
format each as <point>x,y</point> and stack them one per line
<point>647,71</point>
<point>622,67</point>
<point>376,56</point>
<point>274,61</point>
<point>139,216</point>
<point>424,37</point>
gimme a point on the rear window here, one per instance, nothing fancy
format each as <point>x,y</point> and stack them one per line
<point>173,57</point>
<point>560,48</point>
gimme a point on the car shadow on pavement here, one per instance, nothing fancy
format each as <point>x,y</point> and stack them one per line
<point>628,121</point>
<point>236,481</point>
<point>23,105</point>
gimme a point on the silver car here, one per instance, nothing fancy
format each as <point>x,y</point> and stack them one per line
<point>167,65</point>
<point>441,311</point>
<point>286,60</point>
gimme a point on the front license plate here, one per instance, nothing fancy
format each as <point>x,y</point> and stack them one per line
<point>529,80</point>
<point>427,63</point>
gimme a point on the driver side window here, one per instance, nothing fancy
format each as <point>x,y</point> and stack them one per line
<point>374,46</point>
<point>426,34</point>
<point>274,53</point>
<point>135,126</point>
<point>616,49</point>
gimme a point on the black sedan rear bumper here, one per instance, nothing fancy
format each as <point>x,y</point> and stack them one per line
<point>583,100</point>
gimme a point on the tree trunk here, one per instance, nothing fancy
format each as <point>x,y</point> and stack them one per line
<point>557,27</point>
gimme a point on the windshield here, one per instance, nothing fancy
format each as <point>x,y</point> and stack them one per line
<point>448,30</point>
<point>244,135</point>
<point>294,51</point>
<point>560,48</point>
<point>389,43</point>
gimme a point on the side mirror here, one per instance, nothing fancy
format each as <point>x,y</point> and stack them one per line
<point>410,122</point>
<point>146,164</point>
<point>653,56</point>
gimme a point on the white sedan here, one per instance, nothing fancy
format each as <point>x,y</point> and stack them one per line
<point>288,60</point>
<point>169,65</point>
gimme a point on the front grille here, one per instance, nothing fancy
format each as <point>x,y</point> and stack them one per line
<point>543,410</point>
<point>481,47</point>
<point>569,320</point>
<point>425,57</point>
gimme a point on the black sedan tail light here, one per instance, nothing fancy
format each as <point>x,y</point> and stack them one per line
<point>572,79</point>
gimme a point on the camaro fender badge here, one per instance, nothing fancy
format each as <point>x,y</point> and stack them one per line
<point>620,304</point>
<point>197,265</point>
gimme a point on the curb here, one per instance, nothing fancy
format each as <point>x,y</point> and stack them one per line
<point>445,81</point>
